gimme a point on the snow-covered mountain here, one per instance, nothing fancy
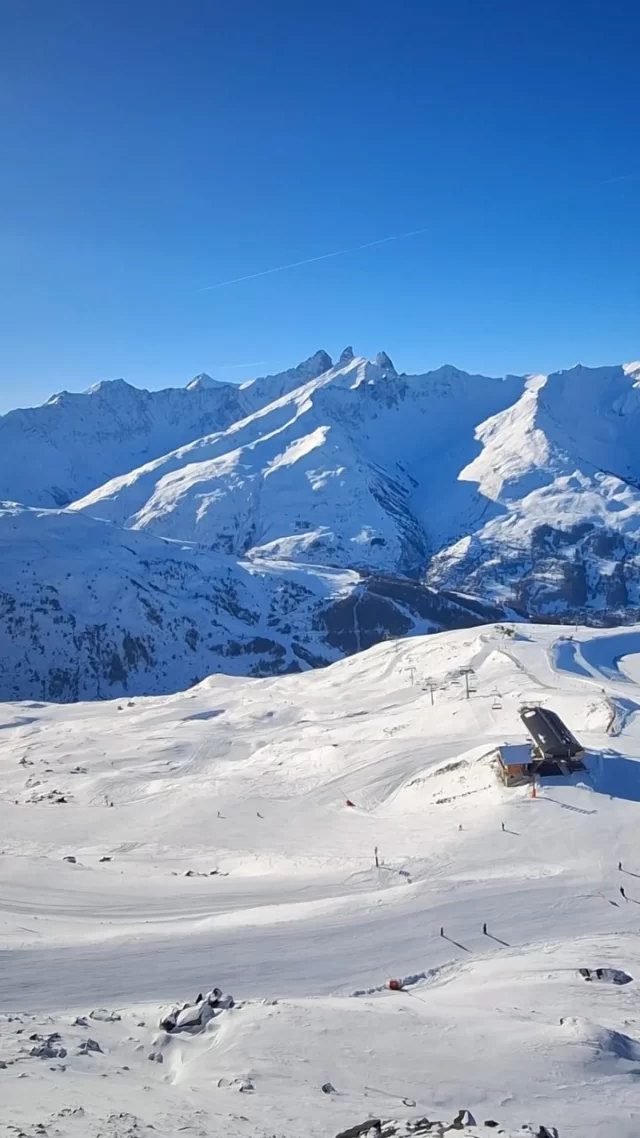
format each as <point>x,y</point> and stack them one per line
<point>560,471</point>
<point>88,611</point>
<point>523,491</point>
<point>53,454</point>
<point>356,468</point>
<point>516,496</point>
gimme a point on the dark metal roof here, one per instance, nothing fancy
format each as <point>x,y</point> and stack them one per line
<point>553,739</point>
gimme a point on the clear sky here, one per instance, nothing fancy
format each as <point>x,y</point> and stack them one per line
<point>152,148</point>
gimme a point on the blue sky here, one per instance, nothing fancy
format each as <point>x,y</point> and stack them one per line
<point>151,148</point>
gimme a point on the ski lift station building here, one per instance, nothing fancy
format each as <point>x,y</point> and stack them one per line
<point>551,750</point>
<point>514,763</point>
<point>552,739</point>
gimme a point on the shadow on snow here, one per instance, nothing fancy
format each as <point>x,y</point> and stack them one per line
<point>608,772</point>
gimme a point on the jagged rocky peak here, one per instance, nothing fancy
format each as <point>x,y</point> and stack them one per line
<point>385,362</point>
<point>346,355</point>
<point>316,365</point>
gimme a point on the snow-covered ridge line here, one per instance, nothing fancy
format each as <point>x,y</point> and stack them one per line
<point>77,441</point>
<point>427,501</point>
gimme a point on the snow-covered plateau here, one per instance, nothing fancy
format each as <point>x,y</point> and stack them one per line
<point>153,848</point>
<point>149,539</point>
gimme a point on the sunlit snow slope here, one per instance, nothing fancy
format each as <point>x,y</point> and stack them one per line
<point>356,467</point>
<point>525,493</point>
<point>51,455</point>
<point>450,498</point>
<point>91,611</point>
<point>251,778</point>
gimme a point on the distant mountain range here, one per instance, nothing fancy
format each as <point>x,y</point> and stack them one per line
<point>149,538</point>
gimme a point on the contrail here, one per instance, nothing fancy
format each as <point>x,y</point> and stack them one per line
<point>402,236</point>
<point>312,260</point>
<point>620,178</point>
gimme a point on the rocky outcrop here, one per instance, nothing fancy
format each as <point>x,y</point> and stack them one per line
<point>464,1124</point>
<point>578,575</point>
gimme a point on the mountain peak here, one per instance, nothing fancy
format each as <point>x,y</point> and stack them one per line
<point>203,382</point>
<point>106,386</point>
<point>316,365</point>
<point>346,355</point>
<point>384,361</point>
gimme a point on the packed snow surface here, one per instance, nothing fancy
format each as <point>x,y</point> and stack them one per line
<point>209,842</point>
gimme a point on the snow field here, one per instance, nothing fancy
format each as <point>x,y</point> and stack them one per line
<point>250,778</point>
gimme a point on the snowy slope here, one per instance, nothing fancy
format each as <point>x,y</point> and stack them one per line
<point>525,493</point>
<point>250,778</point>
<point>356,468</point>
<point>562,470</point>
<point>53,454</point>
<point>520,495</point>
<point>91,611</point>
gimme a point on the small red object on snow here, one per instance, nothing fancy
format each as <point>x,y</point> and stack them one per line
<point>394,985</point>
<point>349,802</point>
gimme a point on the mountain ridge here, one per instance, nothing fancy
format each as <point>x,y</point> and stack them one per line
<point>145,424</point>
<point>90,611</point>
<point>420,501</point>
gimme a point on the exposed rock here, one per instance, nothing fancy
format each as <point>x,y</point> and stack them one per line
<point>463,1124</point>
<point>384,361</point>
<point>50,1047</point>
<point>606,975</point>
<point>105,1016</point>
<point>370,1126</point>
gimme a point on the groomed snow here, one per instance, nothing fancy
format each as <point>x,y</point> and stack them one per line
<point>251,778</point>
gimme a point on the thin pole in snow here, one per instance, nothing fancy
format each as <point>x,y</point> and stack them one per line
<point>430,686</point>
<point>466,672</point>
<point>375,854</point>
